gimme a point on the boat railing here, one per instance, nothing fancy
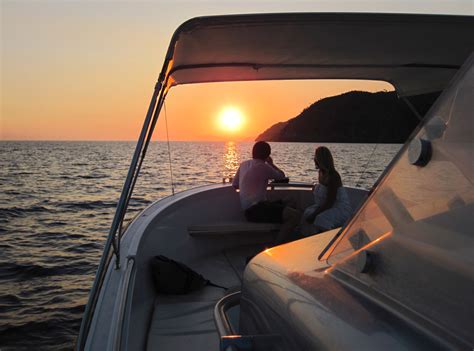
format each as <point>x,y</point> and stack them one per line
<point>292,185</point>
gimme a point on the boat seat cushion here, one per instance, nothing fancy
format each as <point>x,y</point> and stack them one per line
<point>231,228</point>
<point>179,325</point>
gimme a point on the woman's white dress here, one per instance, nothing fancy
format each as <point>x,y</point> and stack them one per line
<point>333,217</point>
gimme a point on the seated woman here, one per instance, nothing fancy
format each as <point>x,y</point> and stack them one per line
<point>331,207</point>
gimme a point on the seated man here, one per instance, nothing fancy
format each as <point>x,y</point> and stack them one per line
<point>252,179</point>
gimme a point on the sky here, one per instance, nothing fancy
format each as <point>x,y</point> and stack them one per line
<point>85,70</point>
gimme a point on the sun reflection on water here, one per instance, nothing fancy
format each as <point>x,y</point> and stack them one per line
<point>231,160</point>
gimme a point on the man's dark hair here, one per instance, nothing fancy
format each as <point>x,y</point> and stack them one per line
<point>261,150</point>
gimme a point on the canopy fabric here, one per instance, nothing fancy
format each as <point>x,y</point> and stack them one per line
<point>415,53</point>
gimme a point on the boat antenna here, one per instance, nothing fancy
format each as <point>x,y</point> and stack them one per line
<point>169,149</point>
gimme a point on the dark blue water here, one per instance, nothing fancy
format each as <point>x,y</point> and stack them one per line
<point>57,200</point>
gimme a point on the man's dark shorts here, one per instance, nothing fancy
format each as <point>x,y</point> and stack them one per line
<point>266,212</point>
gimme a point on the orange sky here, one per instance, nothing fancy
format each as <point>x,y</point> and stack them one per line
<point>193,110</point>
<point>85,70</point>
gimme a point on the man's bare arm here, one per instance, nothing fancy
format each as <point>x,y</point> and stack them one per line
<point>235,181</point>
<point>281,174</point>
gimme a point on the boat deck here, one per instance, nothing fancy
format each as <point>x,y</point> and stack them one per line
<point>203,228</point>
<point>179,321</point>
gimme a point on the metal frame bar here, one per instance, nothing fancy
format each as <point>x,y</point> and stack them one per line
<point>113,241</point>
<point>223,325</point>
<point>143,154</point>
<point>256,66</point>
<point>132,174</point>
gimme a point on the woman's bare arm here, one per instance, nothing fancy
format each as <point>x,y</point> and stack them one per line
<point>332,183</point>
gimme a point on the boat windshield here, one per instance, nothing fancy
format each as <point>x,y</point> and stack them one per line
<point>430,208</point>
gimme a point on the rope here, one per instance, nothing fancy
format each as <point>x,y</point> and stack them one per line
<point>415,112</point>
<point>366,164</point>
<point>412,108</point>
<point>169,149</point>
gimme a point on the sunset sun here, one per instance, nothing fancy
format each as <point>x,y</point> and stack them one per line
<point>231,119</point>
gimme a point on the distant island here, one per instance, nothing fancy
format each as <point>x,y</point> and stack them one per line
<point>352,117</point>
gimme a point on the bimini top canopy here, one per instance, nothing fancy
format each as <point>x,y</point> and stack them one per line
<point>416,53</point>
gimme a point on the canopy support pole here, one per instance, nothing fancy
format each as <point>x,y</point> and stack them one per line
<point>119,213</point>
<point>143,154</point>
<point>132,171</point>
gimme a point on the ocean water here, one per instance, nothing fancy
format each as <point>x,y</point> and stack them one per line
<point>57,200</point>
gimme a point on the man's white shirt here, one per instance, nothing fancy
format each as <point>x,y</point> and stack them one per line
<point>252,180</point>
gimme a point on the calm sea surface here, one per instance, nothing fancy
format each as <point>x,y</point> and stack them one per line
<point>57,200</point>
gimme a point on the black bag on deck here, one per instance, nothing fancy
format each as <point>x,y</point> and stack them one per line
<point>173,277</point>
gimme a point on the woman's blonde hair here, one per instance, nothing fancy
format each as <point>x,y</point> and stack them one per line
<point>324,159</point>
